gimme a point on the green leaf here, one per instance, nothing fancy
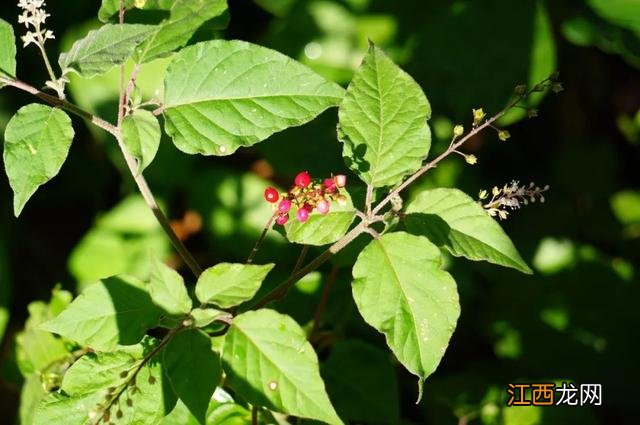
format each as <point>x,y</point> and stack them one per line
<point>268,360</point>
<point>57,408</point>
<point>205,316</point>
<point>401,290</point>
<point>8,51</point>
<point>221,95</point>
<point>141,134</point>
<point>37,350</point>
<point>220,412</point>
<point>36,143</point>
<point>453,220</point>
<point>109,8</point>
<point>229,284</point>
<point>102,49</point>
<point>115,311</point>
<point>167,289</point>
<point>321,229</point>
<point>87,381</point>
<point>352,370</point>
<point>96,371</point>
<point>383,122</point>
<point>186,16</point>
<point>119,243</point>
<point>193,370</point>
<point>30,396</point>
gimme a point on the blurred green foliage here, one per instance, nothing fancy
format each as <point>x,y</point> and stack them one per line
<point>574,320</point>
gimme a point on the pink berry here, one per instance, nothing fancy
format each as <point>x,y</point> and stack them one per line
<point>302,215</point>
<point>284,206</point>
<point>271,195</point>
<point>340,179</point>
<point>303,179</point>
<point>329,185</point>
<point>282,219</point>
<point>323,207</point>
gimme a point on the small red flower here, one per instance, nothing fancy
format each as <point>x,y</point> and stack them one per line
<point>303,179</point>
<point>282,219</point>
<point>284,206</point>
<point>271,195</point>
<point>302,215</point>
<point>323,206</point>
<point>340,180</point>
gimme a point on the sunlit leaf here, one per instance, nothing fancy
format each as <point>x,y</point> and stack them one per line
<point>167,289</point>
<point>401,290</point>
<point>102,49</point>
<point>383,122</point>
<point>453,220</point>
<point>321,229</point>
<point>221,95</point>
<point>227,285</point>
<point>36,144</point>
<point>141,134</point>
<point>186,16</point>
<point>268,360</point>
<point>8,51</point>
<point>115,311</point>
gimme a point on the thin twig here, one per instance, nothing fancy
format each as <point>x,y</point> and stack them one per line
<point>130,86</point>
<point>326,290</point>
<point>139,179</point>
<point>368,200</point>
<point>254,415</point>
<point>256,247</point>
<point>452,148</point>
<point>301,257</point>
<point>281,290</point>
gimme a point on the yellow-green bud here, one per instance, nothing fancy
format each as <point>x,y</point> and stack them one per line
<point>503,135</point>
<point>471,159</point>
<point>458,130</point>
<point>478,116</point>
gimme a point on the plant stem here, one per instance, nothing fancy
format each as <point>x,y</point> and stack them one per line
<point>317,316</point>
<point>254,415</point>
<point>452,148</point>
<point>368,200</point>
<point>47,64</point>
<point>281,290</point>
<point>139,179</point>
<point>256,247</point>
<point>61,103</point>
<point>301,257</point>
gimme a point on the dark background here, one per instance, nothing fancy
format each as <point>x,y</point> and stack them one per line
<point>576,319</point>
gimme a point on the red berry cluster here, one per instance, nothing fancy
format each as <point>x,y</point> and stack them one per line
<point>305,195</point>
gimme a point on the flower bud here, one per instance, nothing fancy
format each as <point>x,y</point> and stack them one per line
<point>478,116</point>
<point>340,180</point>
<point>471,159</point>
<point>302,214</point>
<point>282,219</point>
<point>458,130</point>
<point>303,179</point>
<point>323,207</point>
